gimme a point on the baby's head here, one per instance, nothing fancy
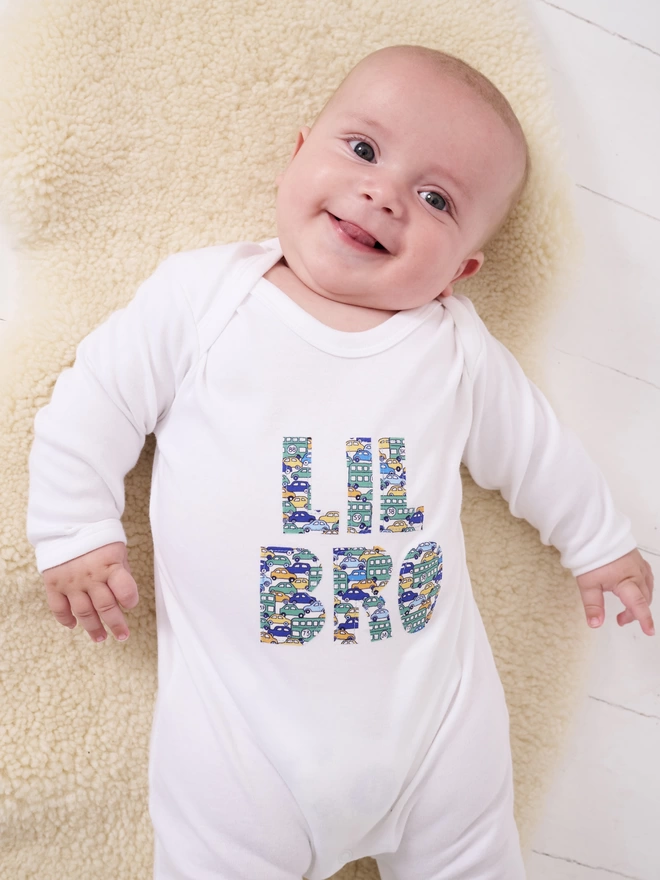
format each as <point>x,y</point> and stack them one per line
<point>421,151</point>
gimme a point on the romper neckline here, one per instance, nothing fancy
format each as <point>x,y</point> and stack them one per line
<point>343,343</point>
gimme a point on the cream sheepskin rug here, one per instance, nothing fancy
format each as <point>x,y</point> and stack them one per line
<point>131,130</point>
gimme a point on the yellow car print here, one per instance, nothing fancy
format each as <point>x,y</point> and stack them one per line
<point>331,517</point>
<point>399,525</point>
<point>342,635</point>
<point>375,551</point>
<point>282,574</point>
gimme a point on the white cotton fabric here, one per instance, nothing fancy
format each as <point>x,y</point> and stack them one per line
<point>346,728</point>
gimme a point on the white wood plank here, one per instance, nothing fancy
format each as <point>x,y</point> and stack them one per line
<point>552,867</point>
<point>634,20</point>
<point>603,810</point>
<point>616,418</point>
<point>612,314</point>
<point>607,94</point>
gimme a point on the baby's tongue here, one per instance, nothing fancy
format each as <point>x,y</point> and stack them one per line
<point>356,233</point>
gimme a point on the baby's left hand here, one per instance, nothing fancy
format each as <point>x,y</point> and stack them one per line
<point>631,579</point>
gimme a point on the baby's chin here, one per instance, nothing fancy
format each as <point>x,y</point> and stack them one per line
<point>364,301</point>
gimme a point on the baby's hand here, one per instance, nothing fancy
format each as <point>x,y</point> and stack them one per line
<point>91,587</point>
<point>631,579</point>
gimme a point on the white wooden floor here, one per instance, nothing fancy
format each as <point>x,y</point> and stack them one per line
<point>602,818</point>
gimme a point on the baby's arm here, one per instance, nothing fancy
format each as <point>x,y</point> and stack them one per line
<point>90,434</point>
<point>516,444</point>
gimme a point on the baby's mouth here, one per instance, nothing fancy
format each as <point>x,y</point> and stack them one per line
<point>377,245</point>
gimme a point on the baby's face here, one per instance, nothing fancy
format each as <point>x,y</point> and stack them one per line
<point>415,160</point>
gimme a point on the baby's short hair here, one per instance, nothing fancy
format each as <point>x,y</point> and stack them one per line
<point>456,68</point>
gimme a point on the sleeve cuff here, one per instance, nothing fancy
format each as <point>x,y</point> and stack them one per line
<point>55,551</point>
<point>624,546</point>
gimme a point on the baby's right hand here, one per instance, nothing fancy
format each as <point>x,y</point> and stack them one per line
<point>92,587</point>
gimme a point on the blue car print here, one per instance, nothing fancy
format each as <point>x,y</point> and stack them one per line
<point>278,630</point>
<point>351,562</point>
<point>381,614</point>
<point>299,486</point>
<point>353,594</point>
<point>362,455</point>
<point>318,525</point>
<point>302,599</point>
<point>301,516</point>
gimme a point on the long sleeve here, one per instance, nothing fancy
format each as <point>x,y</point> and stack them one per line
<point>90,435</point>
<point>516,444</point>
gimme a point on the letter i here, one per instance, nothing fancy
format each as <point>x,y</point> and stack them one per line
<point>359,484</point>
<point>395,515</point>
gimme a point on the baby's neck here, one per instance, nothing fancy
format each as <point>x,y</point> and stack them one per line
<point>338,316</point>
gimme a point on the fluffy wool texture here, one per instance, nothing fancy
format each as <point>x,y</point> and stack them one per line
<point>129,131</point>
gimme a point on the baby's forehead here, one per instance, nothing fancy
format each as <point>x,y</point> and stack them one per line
<point>383,99</point>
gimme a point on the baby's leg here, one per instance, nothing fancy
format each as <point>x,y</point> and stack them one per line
<point>461,826</point>
<point>217,815</point>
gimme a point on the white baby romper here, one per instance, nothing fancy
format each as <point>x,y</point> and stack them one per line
<point>326,689</point>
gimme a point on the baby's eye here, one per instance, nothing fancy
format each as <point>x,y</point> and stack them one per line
<point>434,204</point>
<point>363,145</point>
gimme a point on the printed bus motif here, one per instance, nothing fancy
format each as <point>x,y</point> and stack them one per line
<point>360,575</point>
<point>359,485</point>
<point>291,614</point>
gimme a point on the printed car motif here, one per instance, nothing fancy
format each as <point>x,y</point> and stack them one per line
<point>394,508</point>
<point>298,517</point>
<point>359,485</point>
<point>294,616</point>
<point>419,585</point>
<point>359,575</point>
<point>290,613</point>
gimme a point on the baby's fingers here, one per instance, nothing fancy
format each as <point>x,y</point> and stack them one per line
<point>629,592</point>
<point>625,617</point>
<point>120,580</point>
<point>59,605</point>
<point>594,604</point>
<point>101,608</point>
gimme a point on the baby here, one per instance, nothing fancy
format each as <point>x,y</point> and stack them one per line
<point>312,360</point>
